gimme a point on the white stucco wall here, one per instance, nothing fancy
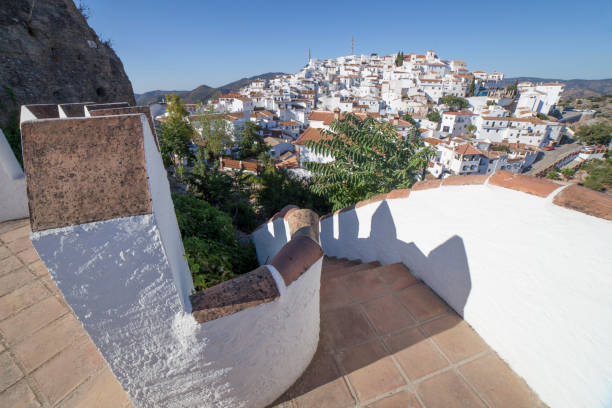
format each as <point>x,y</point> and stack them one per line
<point>13,201</point>
<point>121,280</point>
<point>533,278</point>
<point>269,239</point>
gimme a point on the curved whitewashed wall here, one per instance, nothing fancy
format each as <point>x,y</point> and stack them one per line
<point>534,279</point>
<point>128,283</point>
<point>269,238</point>
<point>13,202</point>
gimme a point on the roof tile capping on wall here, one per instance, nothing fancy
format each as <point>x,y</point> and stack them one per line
<point>248,290</point>
<point>84,170</point>
<point>257,287</point>
<point>586,201</point>
<point>526,184</point>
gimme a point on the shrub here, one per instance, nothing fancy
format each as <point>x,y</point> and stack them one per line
<point>211,248</point>
<point>553,174</point>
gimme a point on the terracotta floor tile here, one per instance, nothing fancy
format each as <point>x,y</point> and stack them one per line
<point>38,268</point>
<point>498,384</point>
<point>336,271</point>
<point>421,302</point>
<point>22,297</point>
<point>370,370</point>
<point>333,294</point>
<point>415,354</point>
<point>63,373</point>
<point>9,264</point>
<point>15,234</point>
<point>4,252</point>
<point>397,276</point>
<point>364,285</point>
<point>447,390</point>
<point>19,396</point>
<point>344,327</point>
<point>402,399</point>
<point>28,256</point>
<point>20,244</point>
<point>9,371</point>
<point>387,314</point>
<point>14,280</point>
<point>48,341</point>
<point>7,226</point>
<point>455,337</point>
<point>101,391</point>
<point>31,319</point>
<point>321,385</point>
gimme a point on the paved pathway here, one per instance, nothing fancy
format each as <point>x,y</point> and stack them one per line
<point>548,158</point>
<point>46,357</point>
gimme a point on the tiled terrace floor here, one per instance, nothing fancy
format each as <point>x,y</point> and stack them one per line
<point>46,357</point>
<point>386,341</point>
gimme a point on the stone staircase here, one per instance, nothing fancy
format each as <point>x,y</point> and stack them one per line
<point>387,340</point>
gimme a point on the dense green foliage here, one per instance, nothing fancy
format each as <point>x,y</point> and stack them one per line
<point>501,148</point>
<point>408,118</point>
<point>553,174</point>
<point>399,59</point>
<point>600,133</point>
<point>370,159</point>
<point>215,134</point>
<point>455,103</point>
<point>567,172</point>
<point>211,249</point>
<point>11,127</point>
<point>279,189</point>
<point>229,193</point>
<point>600,174</point>
<point>472,88</point>
<point>251,144</point>
<point>434,116</point>
<point>542,116</point>
<point>175,133</point>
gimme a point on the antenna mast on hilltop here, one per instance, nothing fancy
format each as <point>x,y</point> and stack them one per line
<point>309,55</point>
<point>352,45</point>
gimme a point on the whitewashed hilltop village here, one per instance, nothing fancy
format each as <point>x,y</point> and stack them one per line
<point>477,125</point>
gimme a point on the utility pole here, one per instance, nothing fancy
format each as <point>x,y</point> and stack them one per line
<point>352,45</point>
<point>309,55</point>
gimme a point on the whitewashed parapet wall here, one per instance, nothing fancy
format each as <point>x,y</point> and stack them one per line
<point>526,262</point>
<point>104,225</point>
<point>13,202</point>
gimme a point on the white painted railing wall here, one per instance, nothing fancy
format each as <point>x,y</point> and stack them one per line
<point>13,201</point>
<point>534,279</point>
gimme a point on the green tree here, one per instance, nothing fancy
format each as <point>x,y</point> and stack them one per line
<point>251,144</point>
<point>491,103</point>
<point>472,87</point>
<point>599,174</point>
<point>567,173</point>
<point>471,128</point>
<point>434,116</point>
<point>213,253</point>
<point>455,102</point>
<point>175,140</point>
<point>399,59</point>
<point>278,188</point>
<point>215,133</point>
<point>553,174</point>
<point>600,133</point>
<point>175,107</point>
<point>408,118</point>
<point>369,158</point>
<point>542,116</point>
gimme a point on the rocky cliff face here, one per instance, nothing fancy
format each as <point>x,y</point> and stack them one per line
<point>49,54</point>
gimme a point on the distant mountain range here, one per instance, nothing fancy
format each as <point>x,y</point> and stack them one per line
<point>203,92</point>
<point>576,88</point>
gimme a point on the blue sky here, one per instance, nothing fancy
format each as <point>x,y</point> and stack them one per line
<point>180,44</point>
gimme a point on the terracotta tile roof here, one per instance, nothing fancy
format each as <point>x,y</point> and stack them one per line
<point>467,149</point>
<point>310,134</point>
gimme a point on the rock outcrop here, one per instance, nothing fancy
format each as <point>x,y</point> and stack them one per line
<point>49,54</point>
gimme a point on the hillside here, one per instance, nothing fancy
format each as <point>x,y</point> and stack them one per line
<point>49,54</point>
<point>203,92</point>
<point>580,88</point>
